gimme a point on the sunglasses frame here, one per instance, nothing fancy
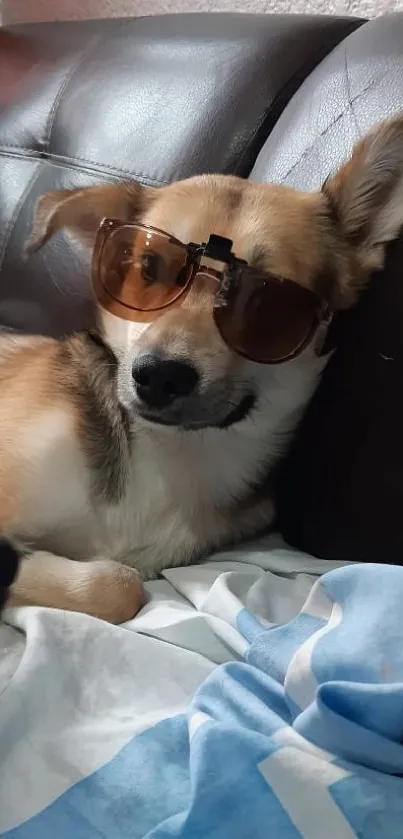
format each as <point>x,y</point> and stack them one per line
<point>321,319</point>
<point>103,295</point>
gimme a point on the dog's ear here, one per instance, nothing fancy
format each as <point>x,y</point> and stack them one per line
<point>366,195</point>
<point>81,211</point>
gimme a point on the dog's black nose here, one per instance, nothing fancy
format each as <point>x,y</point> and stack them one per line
<point>159,381</point>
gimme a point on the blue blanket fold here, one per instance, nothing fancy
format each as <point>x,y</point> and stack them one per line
<point>301,740</point>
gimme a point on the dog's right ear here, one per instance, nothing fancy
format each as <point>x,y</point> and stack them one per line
<point>366,194</point>
<point>81,211</point>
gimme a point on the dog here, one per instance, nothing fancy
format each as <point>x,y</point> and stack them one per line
<point>149,443</point>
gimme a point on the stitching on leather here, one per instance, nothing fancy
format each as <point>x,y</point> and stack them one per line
<point>276,102</point>
<point>348,87</point>
<point>277,106</point>
<point>28,152</point>
<point>105,166</point>
<point>330,126</point>
<point>95,41</point>
<point>63,87</point>
<point>8,230</point>
<point>51,157</point>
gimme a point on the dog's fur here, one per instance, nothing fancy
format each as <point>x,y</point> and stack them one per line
<point>85,472</point>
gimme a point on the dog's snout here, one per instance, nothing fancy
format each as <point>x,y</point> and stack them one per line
<point>159,381</point>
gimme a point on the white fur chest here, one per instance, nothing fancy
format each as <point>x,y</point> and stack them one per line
<point>184,488</point>
<point>180,484</point>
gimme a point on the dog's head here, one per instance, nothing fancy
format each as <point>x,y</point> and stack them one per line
<point>177,370</point>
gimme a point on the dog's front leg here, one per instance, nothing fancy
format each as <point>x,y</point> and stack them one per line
<point>101,588</point>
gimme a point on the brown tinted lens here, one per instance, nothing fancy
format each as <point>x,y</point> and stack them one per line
<point>266,319</point>
<point>143,269</point>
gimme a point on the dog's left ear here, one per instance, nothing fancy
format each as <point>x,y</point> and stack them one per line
<point>81,211</point>
<point>366,195</point>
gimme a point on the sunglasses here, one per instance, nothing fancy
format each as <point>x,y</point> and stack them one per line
<point>139,272</point>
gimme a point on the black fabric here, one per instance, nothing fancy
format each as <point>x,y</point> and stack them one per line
<point>340,491</point>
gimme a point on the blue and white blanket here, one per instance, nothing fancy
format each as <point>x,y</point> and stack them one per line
<point>251,699</point>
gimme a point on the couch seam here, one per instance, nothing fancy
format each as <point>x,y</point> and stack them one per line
<point>68,163</point>
<point>310,64</point>
<point>63,87</point>
<point>334,122</point>
<point>14,218</point>
<point>348,86</point>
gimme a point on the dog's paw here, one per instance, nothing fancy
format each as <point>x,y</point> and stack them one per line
<point>9,564</point>
<point>106,590</point>
<point>117,590</point>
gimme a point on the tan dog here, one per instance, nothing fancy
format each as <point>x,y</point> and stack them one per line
<point>88,471</point>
